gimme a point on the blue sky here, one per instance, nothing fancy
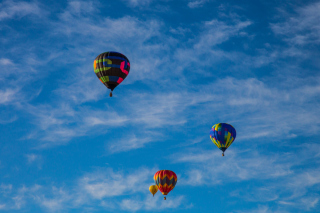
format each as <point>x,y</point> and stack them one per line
<point>67,147</point>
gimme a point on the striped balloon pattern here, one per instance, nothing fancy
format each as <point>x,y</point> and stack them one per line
<point>222,135</point>
<point>165,180</point>
<point>111,68</point>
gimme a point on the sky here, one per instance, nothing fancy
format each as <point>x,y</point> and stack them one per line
<point>65,146</point>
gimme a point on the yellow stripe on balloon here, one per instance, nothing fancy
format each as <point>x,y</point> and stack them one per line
<point>219,144</point>
<point>215,142</point>
<point>217,127</point>
<point>228,139</point>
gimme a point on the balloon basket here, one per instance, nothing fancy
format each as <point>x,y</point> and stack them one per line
<point>110,94</point>
<point>223,154</point>
<point>165,198</point>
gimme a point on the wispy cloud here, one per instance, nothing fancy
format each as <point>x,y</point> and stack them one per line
<point>218,32</point>
<point>152,204</point>
<point>103,185</point>
<point>263,209</point>
<point>301,28</point>
<point>81,7</point>
<point>281,179</point>
<point>138,3</point>
<point>57,200</point>
<point>152,63</point>
<point>131,141</point>
<point>32,158</point>
<point>257,100</point>
<point>7,96</point>
<point>185,77</point>
<point>5,61</point>
<point>235,168</point>
<point>6,188</point>
<point>96,190</point>
<point>197,3</point>
<point>109,184</point>
<point>14,9</point>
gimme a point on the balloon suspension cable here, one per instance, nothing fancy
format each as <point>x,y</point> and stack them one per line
<point>110,94</point>
<point>222,153</point>
<point>164,198</point>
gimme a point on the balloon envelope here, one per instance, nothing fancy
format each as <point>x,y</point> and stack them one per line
<point>153,189</point>
<point>111,68</point>
<point>222,135</point>
<point>165,180</point>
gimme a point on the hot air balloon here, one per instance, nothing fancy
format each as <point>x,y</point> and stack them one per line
<point>222,135</point>
<point>153,189</point>
<point>165,181</point>
<point>111,68</point>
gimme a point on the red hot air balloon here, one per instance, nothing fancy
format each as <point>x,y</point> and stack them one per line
<point>165,181</point>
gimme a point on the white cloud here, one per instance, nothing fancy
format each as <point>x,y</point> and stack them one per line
<point>133,142</point>
<point>32,158</point>
<point>109,184</point>
<point>8,96</point>
<point>180,31</point>
<point>293,103</point>
<point>197,3</point>
<point>218,32</point>
<point>59,199</point>
<point>138,3</point>
<point>301,28</point>
<point>306,203</point>
<point>103,185</point>
<point>8,119</point>
<point>12,9</point>
<point>263,209</point>
<point>65,118</point>
<point>258,101</point>
<point>273,178</point>
<point>57,125</point>
<point>131,205</point>
<point>5,188</point>
<point>237,167</point>
<point>81,7</point>
<point>152,203</point>
<point>104,189</point>
<point>5,61</point>
<point>310,203</point>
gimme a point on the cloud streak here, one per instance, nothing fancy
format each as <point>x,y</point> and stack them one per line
<point>96,190</point>
<point>12,9</point>
<point>302,28</point>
